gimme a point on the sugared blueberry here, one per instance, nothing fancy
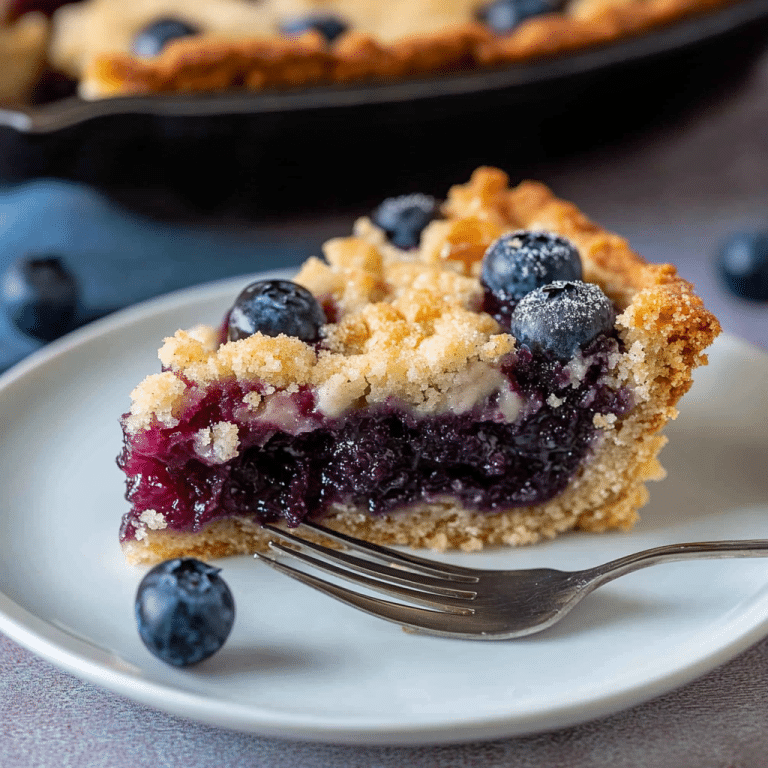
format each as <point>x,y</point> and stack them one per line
<point>743,265</point>
<point>40,297</point>
<point>274,307</point>
<point>562,317</point>
<point>151,40</point>
<point>327,24</point>
<point>404,218</point>
<point>184,610</point>
<point>503,16</point>
<point>519,262</point>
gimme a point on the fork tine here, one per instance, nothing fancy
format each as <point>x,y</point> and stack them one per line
<point>418,619</point>
<point>449,604</point>
<point>391,556</point>
<point>368,567</point>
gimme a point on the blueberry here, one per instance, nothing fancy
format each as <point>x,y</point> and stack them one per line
<point>184,611</point>
<point>40,297</point>
<point>151,40</point>
<point>404,218</point>
<point>743,265</point>
<point>328,25</point>
<point>519,262</point>
<point>562,317</point>
<point>502,16</point>
<point>274,307</point>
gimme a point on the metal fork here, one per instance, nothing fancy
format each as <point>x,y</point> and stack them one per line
<point>466,602</point>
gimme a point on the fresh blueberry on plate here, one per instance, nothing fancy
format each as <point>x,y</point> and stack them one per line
<point>519,262</point>
<point>184,611</point>
<point>273,307</point>
<point>151,40</point>
<point>562,317</point>
<point>743,265</point>
<point>404,218</point>
<point>40,296</point>
<point>327,24</point>
<point>502,16</point>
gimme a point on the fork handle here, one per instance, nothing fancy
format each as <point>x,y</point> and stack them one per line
<point>695,550</point>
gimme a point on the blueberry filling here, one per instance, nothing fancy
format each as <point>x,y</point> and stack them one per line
<point>381,459</point>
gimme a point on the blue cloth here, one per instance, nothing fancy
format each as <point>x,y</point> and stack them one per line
<point>118,257</point>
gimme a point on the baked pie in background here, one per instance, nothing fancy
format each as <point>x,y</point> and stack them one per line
<point>113,48</point>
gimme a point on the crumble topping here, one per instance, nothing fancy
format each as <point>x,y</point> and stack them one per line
<point>408,323</point>
<point>407,330</point>
<point>159,396</point>
<point>252,400</point>
<point>152,520</point>
<point>422,349</point>
<point>218,443</point>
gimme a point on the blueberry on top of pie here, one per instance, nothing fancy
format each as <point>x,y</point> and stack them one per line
<point>561,318</point>
<point>404,218</point>
<point>327,24</point>
<point>375,393</point>
<point>275,307</point>
<point>151,40</point>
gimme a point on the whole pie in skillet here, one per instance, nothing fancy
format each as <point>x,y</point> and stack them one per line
<point>113,47</point>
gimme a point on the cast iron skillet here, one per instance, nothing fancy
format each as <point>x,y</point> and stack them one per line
<point>318,144</point>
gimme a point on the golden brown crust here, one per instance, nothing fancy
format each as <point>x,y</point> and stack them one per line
<point>212,63</point>
<point>664,328</point>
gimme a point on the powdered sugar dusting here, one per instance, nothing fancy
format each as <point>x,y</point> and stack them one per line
<point>562,317</point>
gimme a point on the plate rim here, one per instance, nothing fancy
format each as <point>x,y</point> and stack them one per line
<point>70,653</point>
<point>239,717</point>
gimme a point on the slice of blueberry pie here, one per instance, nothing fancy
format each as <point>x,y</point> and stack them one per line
<point>113,47</point>
<point>492,369</point>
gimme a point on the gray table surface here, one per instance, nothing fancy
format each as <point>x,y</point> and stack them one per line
<point>675,192</point>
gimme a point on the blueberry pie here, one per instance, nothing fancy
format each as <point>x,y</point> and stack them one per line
<point>490,370</point>
<point>113,47</point>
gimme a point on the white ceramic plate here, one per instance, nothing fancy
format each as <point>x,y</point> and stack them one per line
<point>301,665</point>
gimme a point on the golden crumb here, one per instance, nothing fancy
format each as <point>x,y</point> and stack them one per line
<point>159,397</point>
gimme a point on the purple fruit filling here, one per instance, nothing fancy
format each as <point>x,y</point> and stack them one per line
<point>381,459</point>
